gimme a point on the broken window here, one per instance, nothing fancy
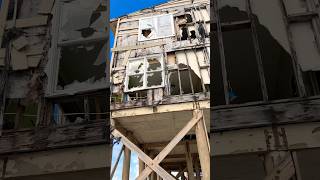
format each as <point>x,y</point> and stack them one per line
<point>156,27</point>
<point>91,70</point>
<point>79,63</point>
<point>19,115</point>
<point>189,74</point>
<point>266,58</point>
<point>79,109</point>
<point>83,19</point>
<point>144,73</point>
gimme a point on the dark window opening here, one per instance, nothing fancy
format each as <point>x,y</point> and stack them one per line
<point>146,32</point>
<point>277,66</point>
<point>135,81</point>
<point>218,97</point>
<point>154,78</point>
<point>241,65</point>
<point>184,33</point>
<point>68,110</point>
<point>19,115</point>
<point>81,63</point>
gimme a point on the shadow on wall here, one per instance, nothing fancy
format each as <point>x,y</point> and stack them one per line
<point>241,64</point>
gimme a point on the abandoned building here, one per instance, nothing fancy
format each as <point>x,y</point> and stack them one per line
<point>160,77</point>
<point>54,90</point>
<point>265,101</point>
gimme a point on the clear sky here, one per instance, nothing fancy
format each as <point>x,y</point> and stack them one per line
<point>119,8</point>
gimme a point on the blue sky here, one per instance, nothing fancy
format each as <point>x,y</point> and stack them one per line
<point>119,8</point>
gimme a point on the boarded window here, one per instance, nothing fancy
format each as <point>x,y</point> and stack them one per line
<point>155,27</point>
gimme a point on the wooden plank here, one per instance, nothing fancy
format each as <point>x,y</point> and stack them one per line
<point>20,42</point>
<point>159,170</point>
<point>293,111</point>
<point>195,119</point>
<point>141,46</point>
<point>57,161</point>
<point>46,6</point>
<point>33,61</point>
<point>18,60</point>
<point>45,138</point>
<point>189,162</point>
<point>3,16</point>
<point>29,22</point>
<point>126,164</point>
<point>203,149</point>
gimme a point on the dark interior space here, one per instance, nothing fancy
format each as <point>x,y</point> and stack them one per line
<point>242,65</point>
<point>78,63</point>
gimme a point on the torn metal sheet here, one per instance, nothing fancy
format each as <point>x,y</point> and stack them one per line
<point>305,45</point>
<point>18,60</point>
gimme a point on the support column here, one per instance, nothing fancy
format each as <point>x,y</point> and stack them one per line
<point>141,166</point>
<point>126,164</point>
<point>197,168</point>
<point>189,162</point>
<point>203,149</point>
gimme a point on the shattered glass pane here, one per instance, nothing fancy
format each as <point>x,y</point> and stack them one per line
<point>82,64</point>
<point>154,79</point>
<point>154,64</point>
<point>136,66</point>
<point>135,81</point>
<point>229,10</point>
<point>82,19</point>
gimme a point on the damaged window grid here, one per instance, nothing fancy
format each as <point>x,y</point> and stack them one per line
<point>81,50</point>
<point>268,56</point>
<point>143,73</point>
<point>193,24</point>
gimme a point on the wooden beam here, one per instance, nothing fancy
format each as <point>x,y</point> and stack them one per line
<point>196,118</point>
<point>203,149</point>
<point>126,164</point>
<point>189,162</point>
<point>45,138</point>
<point>260,114</point>
<point>154,166</point>
<point>142,46</point>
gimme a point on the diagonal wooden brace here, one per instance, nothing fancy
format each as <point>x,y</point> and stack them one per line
<point>198,115</point>
<point>154,166</point>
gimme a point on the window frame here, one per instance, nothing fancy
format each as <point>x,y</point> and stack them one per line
<point>155,18</point>
<point>144,73</point>
<point>55,53</point>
